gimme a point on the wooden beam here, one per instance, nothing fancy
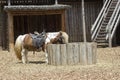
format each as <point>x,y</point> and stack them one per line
<point>110,39</point>
<point>83,19</point>
<point>49,12</point>
<point>84,34</point>
<point>63,21</point>
<point>9,2</point>
<point>56,2</point>
<point>11,32</point>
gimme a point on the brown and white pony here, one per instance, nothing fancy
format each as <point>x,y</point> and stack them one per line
<point>24,43</point>
<point>28,42</point>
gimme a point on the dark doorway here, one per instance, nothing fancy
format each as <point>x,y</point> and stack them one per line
<point>29,23</point>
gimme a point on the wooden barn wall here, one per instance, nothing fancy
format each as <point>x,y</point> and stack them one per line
<point>116,38</point>
<point>74,19</point>
<point>0,26</point>
<point>3,29</point>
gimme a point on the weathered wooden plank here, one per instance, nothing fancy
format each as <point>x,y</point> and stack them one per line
<point>83,54</point>
<point>11,32</point>
<point>63,54</point>
<point>90,53</point>
<point>75,53</point>
<point>53,55</point>
<point>58,54</point>
<point>70,54</point>
<point>94,50</point>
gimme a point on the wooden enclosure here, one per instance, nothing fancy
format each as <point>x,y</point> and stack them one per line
<point>72,53</point>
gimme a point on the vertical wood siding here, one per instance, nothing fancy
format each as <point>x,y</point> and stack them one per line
<point>74,20</point>
<point>0,26</point>
<point>3,29</point>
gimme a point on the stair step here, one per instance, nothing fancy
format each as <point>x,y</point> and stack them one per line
<point>106,21</point>
<point>104,24</point>
<point>103,30</point>
<point>101,41</point>
<point>107,18</point>
<point>102,45</point>
<point>111,10</point>
<point>101,35</point>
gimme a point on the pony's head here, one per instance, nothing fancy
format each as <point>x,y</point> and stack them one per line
<point>58,37</point>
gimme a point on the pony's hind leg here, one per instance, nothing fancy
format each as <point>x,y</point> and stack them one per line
<point>24,53</point>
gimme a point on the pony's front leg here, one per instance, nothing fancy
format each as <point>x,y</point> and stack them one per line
<point>24,53</point>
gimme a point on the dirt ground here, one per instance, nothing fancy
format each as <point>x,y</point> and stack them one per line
<point>107,67</point>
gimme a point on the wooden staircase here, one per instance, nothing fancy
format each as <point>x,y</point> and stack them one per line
<point>101,27</point>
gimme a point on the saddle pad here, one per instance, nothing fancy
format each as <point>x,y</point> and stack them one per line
<point>37,41</point>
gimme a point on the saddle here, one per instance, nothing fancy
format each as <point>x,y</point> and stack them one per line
<point>38,41</point>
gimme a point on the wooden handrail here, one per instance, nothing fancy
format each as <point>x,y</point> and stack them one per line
<point>99,15</point>
<point>97,24</point>
<point>115,26</point>
<point>111,25</point>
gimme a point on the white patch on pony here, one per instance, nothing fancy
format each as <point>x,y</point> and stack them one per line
<point>51,35</point>
<point>21,38</point>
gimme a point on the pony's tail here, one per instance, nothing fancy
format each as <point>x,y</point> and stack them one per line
<point>18,47</point>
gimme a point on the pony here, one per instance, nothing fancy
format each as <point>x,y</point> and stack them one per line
<point>25,43</point>
<point>55,38</point>
<point>29,42</point>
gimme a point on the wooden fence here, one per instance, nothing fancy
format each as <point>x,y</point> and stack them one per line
<point>72,53</point>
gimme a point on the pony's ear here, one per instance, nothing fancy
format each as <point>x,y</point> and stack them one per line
<point>44,30</point>
<point>35,32</point>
